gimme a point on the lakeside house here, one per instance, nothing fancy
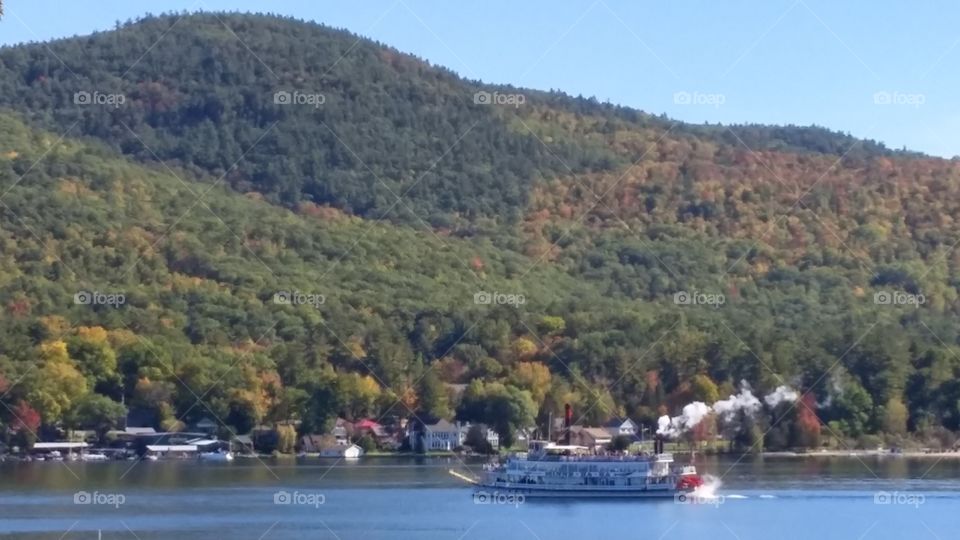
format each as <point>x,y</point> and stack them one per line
<point>593,438</point>
<point>388,435</point>
<point>206,425</point>
<point>341,431</point>
<point>621,426</point>
<point>137,431</point>
<point>370,427</point>
<point>171,450</point>
<point>314,443</point>
<point>598,437</point>
<point>58,448</point>
<point>444,435</point>
<point>441,435</point>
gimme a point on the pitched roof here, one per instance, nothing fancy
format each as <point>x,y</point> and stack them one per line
<point>618,421</point>
<point>595,433</point>
<point>442,425</point>
<point>367,423</point>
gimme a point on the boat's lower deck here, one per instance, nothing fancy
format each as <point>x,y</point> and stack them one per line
<point>494,490</point>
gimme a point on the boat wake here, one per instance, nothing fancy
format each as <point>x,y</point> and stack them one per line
<point>708,490</point>
<point>711,490</point>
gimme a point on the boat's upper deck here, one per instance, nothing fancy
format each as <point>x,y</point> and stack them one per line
<point>541,451</point>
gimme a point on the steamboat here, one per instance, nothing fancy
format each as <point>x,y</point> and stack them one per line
<point>552,470</point>
<point>548,469</point>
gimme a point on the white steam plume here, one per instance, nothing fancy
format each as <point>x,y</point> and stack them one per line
<point>744,401</point>
<point>780,395</point>
<point>726,409</point>
<point>691,415</point>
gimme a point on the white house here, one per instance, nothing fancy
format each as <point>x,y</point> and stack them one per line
<point>493,438</point>
<point>445,435</point>
<point>621,426</point>
<point>340,432</point>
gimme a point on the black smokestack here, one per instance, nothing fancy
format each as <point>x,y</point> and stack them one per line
<point>658,444</point>
<point>567,422</point>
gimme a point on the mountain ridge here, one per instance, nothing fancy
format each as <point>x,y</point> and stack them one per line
<point>422,218</point>
<point>180,118</point>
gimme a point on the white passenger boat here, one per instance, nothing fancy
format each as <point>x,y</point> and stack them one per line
<point>552,470</point>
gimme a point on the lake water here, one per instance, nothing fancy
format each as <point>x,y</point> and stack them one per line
<point>404,498</point>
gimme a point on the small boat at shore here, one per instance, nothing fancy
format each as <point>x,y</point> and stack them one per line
<point>216,456</point>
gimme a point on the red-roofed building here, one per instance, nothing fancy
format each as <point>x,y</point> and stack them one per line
<point>372,428</point>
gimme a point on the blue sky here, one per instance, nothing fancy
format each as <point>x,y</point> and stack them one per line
<point>877,69</point>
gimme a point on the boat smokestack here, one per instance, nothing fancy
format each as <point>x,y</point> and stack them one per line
<point>658,444</point>
<point>567,422</point>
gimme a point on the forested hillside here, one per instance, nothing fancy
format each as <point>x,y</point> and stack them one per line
<point>199,269</point>
<point>200,91</point>
<point>183,183</point>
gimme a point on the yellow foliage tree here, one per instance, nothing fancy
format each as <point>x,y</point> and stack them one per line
<point>532,376</point>
<point>57,384</point>
<point>54,351</point>
<point>93,334</point>
<point>523,347</point>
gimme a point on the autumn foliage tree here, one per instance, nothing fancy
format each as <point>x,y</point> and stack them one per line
<point>25,423</point>
<point>806,427</point>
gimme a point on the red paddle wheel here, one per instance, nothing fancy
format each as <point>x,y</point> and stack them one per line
<point>689,482</point>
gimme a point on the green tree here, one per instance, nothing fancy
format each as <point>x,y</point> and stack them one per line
<point>477,440</point>
<point>434,399</point>
<point>895,417</point>
<point>505,407</point>
<point>620,443</point>
<point>96,412</point>
<point>852,408</point>
<point>286,439</point>
<point>704,389</point>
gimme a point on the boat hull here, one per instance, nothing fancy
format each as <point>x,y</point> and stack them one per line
<point>493,492</point>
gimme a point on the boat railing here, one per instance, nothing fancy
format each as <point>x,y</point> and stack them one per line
<point>600,458</point>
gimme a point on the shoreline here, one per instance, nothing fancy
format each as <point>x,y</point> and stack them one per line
<point>863,453</point>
